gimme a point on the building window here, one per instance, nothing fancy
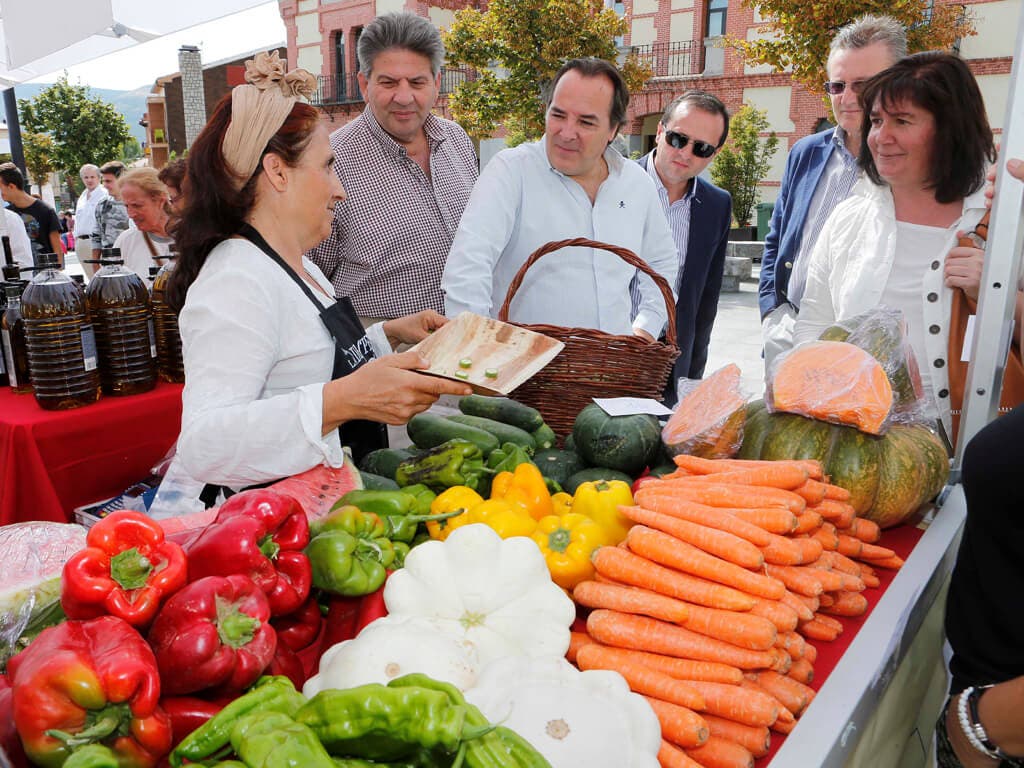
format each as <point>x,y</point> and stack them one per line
<point>339,55</point>
<point>716,17</point>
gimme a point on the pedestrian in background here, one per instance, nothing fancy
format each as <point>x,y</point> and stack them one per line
<point>85,215</point>
<point>111,216</point>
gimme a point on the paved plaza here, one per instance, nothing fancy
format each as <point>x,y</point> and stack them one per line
<point>736,336</point>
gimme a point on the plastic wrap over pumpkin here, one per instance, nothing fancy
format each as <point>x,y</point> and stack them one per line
<point>708,421</point>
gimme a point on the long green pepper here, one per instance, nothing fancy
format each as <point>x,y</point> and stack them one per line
<point>274,740</point>
<point>92,756</point>
<point>270,694</point>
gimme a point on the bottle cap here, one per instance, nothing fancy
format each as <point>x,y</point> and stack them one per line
<point>153,272</point>
<point>12,272</point>
<point>47,261</point>
<point>13,290</point>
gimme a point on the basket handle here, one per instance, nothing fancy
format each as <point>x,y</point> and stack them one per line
<point>623,253</point>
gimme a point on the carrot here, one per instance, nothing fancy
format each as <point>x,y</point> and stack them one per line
<point>874,552</point>
<point>870,579</point>
<point>780,475</point>
<point>641,679</point>
<point>630,600</point>
<point>735,703</point>
<point>829,621</point>
<point>825,600</point>
<point>794,644</point>
<point>772,519</point>
<point>812,490</point>
<point>864,529</point>
<point>782,662</point>
<point>666,550</point>
<point>835,581</point>
<point>733,496</point>
<point>671,756</point>
<point>816,630</point>
<point>848,604</point>
<point>719,752</point>
<point>850,546</point>
<point>794,696</point>
<point>576,641</point>
<point>836,493</point>
<point>740,629</point>
<point>782,616</point>
<point>827,537</point>
<point>894,563</point>
<point>805,606</point>
<point>802,670</point>
<point>643,634</point>
<point>782,551</point>
<point>843,563</point>
<point>668,503</point>
<point>685,669</point>
<point>628,568</point>
<point>699,466</point>
<point>807,522</point>
<point>811,655</point>
<point>799,579</point>
<point>679,725</point>
<point>713,541</point>
<point>810,549</point>
<point>838,512</point>
<point>755,739</point>
<point>783,726</point>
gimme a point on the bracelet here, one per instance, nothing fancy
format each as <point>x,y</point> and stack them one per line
<point>970,723</point>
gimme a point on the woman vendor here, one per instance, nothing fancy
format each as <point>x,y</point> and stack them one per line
<point>274,365</point>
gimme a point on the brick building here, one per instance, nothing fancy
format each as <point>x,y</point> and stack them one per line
<point>678,37</point>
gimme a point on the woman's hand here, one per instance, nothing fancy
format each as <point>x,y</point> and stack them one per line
<point>387,390</point>
<point>963,268</point>
<point>413,328</point>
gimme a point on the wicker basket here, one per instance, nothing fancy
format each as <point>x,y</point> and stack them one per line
<point>594,363</point>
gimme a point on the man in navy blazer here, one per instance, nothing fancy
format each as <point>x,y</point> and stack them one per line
<point>820,173</point>
<point>692,129</point>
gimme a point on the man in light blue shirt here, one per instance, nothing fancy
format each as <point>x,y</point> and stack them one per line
<point>568,184</point>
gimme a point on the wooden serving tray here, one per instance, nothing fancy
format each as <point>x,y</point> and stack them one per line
<point>516,354</point>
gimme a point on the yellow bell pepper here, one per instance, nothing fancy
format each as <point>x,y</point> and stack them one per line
<point>561,503</point>
<point>525,487</point>
<point>455,498</point>
<point>600,502</point>
<point>567,542</point>
<point>506,519</point>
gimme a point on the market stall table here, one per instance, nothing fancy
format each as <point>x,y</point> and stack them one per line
<point>54,461</point>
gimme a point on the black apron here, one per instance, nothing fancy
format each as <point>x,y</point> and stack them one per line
<point>352,350</point>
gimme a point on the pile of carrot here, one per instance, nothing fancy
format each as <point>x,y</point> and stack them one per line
<point>707,608</point>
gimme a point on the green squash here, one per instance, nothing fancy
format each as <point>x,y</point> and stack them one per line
<point>625,443</point>
<point>888,477</point>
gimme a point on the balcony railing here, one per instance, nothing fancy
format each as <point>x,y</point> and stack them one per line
<point>335,89</point>
<point>679,59</point>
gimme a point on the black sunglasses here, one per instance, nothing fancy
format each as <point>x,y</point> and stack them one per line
<point>700,148</point>
<point>835,87</point>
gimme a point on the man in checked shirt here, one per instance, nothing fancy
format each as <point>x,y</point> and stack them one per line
<point>407,174</point>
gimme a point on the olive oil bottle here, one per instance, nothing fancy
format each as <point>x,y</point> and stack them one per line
<point>12,328</point>
<point>170,364</point>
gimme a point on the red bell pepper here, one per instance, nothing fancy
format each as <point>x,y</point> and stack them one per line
<point>189,712</point>
<point>9,741</point>
<point>213,633</point>
<point>287,663</point>
<point>125,570</point>
<point>83,682</point>
<point>300,628</point>
<point>259,534</point>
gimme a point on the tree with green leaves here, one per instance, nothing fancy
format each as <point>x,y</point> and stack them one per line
<point>799,32</point>
<point>131,150</point>
<point>39,151</point>
<point>83,128</point>
<point>516,47</point>
<point>744,160</point>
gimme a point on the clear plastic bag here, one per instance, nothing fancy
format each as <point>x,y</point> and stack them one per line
<point>708,421</point>
<point>33,555</point>
<point>178,494</point>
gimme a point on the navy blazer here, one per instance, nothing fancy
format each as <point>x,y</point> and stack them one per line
<point>700,280</point>
<point>804,167</point>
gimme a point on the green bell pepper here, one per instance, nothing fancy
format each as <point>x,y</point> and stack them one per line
<point>455,462</point>
<point>401,551</point>
<point>274,740</point>
<point>507,457</point>
<point>402,511</point>
<point>351,552</point>
<point>92,756</point>
<point>424,498</point>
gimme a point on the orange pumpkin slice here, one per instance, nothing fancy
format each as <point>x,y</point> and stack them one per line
<point>833,381</point>
<point>708,422</point>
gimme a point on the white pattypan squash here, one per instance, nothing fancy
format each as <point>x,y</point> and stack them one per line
<point>574,719</point>
<point>496,593</point>
<point>391,647</point>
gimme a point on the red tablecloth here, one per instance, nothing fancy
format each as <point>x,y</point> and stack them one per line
<point>54,461</point>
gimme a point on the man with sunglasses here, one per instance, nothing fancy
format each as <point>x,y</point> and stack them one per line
<point>820,173</point>
<point>692,129</point>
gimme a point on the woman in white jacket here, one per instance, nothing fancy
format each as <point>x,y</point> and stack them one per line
<point>926,148</point>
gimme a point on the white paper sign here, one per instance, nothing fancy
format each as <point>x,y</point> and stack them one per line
<point>628,406</point>
<point>965,353</point>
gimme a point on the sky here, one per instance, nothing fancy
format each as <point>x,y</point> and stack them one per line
<point>141,65</point>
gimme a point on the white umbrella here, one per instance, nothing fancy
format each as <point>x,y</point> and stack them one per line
<point>41,36</point>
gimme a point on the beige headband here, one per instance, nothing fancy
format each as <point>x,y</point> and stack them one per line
<point>259,109</point>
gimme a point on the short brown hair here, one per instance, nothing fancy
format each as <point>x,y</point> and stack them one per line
<point>115,168</point>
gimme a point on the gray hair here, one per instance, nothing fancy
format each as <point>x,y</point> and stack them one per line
<point>400,30</point>
<point>868,30</point>
<point>89,167</point>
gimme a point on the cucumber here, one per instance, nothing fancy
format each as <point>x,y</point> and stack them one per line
<point>505,433</point>
<point>502,409</point>
<point>427,430</point>
<point>384,461</point>
<point>544,436</point>
<point>372,482</point>
<point>558,465</point>
<point>594,474</point>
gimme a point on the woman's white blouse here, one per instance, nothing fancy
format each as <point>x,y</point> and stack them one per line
<point>257,356</point>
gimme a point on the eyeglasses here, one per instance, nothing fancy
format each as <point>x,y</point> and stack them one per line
<point>700,148</point>
<point>835,87</point>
